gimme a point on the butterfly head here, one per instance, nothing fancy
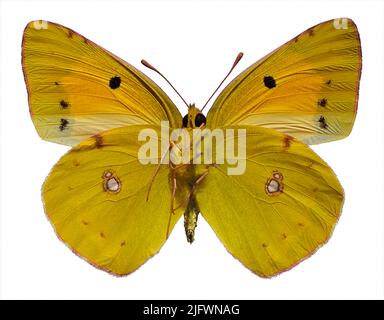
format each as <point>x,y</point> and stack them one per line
<point>194,118</point>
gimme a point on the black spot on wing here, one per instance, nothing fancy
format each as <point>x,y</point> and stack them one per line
<point>114,82</point>
<point>322,102</point>
<point>64,104</point>
<point>63,124</point>
<point>322,122</point>
<point>269,82</point>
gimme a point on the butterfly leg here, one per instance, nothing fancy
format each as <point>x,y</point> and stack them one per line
<point>155,174</point>
<point>198,181</point>
<point>173,195</point>
<point>174,187</point>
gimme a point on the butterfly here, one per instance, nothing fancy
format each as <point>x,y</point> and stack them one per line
<point>116,212</point>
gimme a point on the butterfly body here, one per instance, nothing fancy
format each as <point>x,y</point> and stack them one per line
<point>269,198</point>
<point>185,175</point>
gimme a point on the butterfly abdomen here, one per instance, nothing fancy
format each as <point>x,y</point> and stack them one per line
<point>186,177</point>
<point>190,219</point>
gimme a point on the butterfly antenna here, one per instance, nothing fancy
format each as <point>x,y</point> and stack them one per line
<point>238,58</point>
<point>148,65</point>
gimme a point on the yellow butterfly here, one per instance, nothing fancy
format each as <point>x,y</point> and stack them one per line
<point>116,212</point>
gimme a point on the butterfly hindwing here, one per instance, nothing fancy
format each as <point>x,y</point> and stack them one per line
<point>307,88</point>
<point>280,210</point>
<point>77,89</point>
<point>96,199</point>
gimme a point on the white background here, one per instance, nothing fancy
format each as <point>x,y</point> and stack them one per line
<point>194,44</point>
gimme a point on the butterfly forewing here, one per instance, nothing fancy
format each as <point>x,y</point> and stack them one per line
<point>307,88</point>
<point>77,89</point>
